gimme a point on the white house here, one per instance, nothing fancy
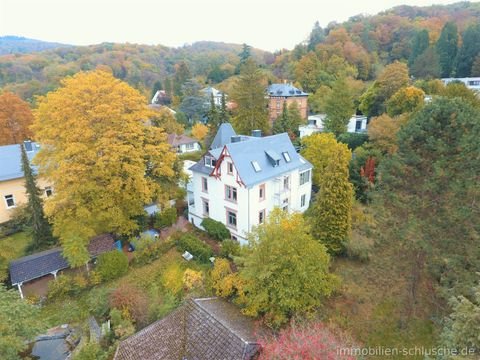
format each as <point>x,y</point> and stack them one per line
<point>356,124</point>
<point>473,83</point>
<point>242,178</point>
<point>217,95</point>
<point>182,143</point>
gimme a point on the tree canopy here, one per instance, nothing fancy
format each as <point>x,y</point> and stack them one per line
<point>15,119</point>
<point>105,163</point>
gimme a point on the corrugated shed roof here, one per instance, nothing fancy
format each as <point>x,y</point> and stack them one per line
<point>202,329</point>
<point>37,265</point>
<point>11,161</point>
<point>285,90</point>
<point>223,136</point>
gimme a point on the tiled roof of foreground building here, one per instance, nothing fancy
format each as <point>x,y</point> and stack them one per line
<point>202,329</point>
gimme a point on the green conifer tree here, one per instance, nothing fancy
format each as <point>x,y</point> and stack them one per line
<point>41,231</point>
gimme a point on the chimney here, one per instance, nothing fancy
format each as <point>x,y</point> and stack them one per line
<point>257,133</point>
<point>235,139</point>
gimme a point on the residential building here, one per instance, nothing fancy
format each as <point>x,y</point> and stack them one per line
<point>12,182</point>
<point>217,95</point>
<point>183,143</point>
<point>278,94</point>
<point>356,124</point>
<point>161,98</point>
<point>202,329</point>
<point>473,83</point>
<point>242,178</point>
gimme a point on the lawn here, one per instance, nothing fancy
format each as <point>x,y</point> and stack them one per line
<point>11,248</point>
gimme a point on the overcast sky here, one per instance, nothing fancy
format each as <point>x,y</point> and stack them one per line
<point>266,24</point>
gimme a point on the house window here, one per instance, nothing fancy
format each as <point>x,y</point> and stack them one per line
<point>210,162</point>
<point>261,192</point>
<point>286,183</point>
<point>9,201</point>
<point>234,237</point>
<point>204,184</point>
<point>261,217</point>
<point>304,177</point>
<point>190,146</point>
<point>230,193</point>
<point>231,219</point>
<point>206,207</point>
<point>278,104</point>
<point>230,168</point>
<point>285,208</point>
<point>48,191</point>
<point>303,200</point>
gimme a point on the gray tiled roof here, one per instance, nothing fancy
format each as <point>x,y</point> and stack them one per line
<point>37,265</point>
<point>11,161</point>
<point>176,140</point>
<point>223,136</point>
<point>45,262</point>
<point>284,90</point>
<point>261,150</point>
<point>202,329</point>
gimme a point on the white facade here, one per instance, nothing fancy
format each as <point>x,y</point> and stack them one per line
<point>217,95</point>
<point>356,124</point>
<point>225,198</point>
<point>473,83</point>
<point>190,147</point>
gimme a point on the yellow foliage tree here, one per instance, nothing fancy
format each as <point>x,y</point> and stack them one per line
<point>192,279</point>
<point>105,163</point>
<point>15,119</point>
<point>199,131</point>
<point>164,119</point>
<point>405,100</point>
<point>382,132</point>
<point>172,278</point>
<point>225,282</point>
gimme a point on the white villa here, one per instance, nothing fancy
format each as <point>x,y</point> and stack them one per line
<point>242,178</point>
<point>356,124</point>
<point>217,95</point>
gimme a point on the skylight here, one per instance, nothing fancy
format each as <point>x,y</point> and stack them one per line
<point>286,156</point>
<point>256,167</point>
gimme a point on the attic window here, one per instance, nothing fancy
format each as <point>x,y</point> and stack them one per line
<point>273,157</point>
<point>210,162</point>
<point>256,167</point>
<point>286,156</point>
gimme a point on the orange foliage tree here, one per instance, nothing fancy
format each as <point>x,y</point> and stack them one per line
<point>15,119</point>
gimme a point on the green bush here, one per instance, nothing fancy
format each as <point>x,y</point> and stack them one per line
<point>230,248</point>
<point>112,265</point>
<point>148,249</point>
<point>195,246</point>
<point>166,218</point>
<point>215,229</point>
<point>353,140</point>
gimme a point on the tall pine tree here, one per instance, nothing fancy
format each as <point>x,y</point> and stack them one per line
<point>41,232</point>
<point>224,115</point>
<point>447,46</point>
<point>469,50</point>
<point>249,94</point>
<point>419,45</point>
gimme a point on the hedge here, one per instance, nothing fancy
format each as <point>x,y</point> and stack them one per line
<point>166,218</point>
<point>215,229</point>
<point>195,246</point>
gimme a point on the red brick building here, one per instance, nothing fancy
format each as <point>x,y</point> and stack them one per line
<point>280,93</point>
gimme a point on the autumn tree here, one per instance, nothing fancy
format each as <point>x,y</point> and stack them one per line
<point>249,94</point>
<point>41,232</point>
<point>317,100</point>
<point>306,341</point>
<point>199,131</point>
<point>15,119</point>
<point>458,89</point>
<point>339,108</point>
<point>447,46</point>
<point>20,324</point>
<point>405,100</point>
<point>164,118</point>
<point>182,74</point>
<point>105,163</point>
<point>286,272</point>
<point>475,72</point>
<point>382,132</point>
<point>427,65</point>
<point>307,72</point>
<point>331,211</point>
<point>317,36</point>
<point>393,78</point>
